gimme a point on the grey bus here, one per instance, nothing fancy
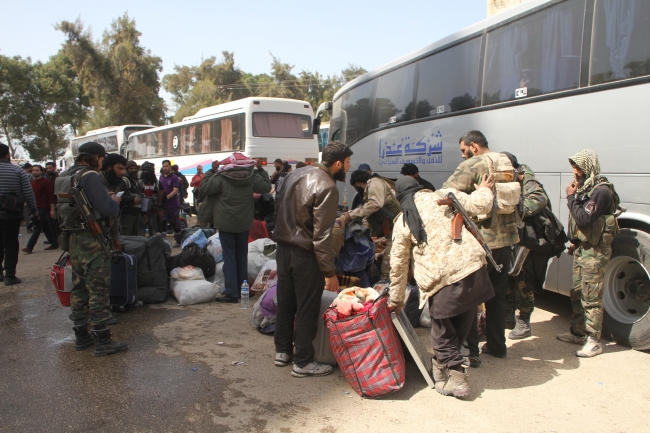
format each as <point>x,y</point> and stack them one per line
<point>541,80</point>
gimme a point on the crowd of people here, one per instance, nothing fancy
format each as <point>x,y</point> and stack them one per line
<point>502,265</point>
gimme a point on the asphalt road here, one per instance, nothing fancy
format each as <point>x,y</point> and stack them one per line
<point>177,377</point>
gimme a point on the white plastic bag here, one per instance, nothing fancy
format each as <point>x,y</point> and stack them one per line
<point>214,248</point>
<point>256,256</point>
<point>187,273</point>
<point>425,317</point>
<point>267,276</point>
<point>218,277</point>
<point>190,292</point>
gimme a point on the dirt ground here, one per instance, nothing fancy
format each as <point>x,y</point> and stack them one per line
<point>177,376</point>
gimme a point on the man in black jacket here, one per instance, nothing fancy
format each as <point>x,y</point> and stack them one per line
<point>131,218</point>
<point>14,184</point>
<point>305,213</point>
<point>412,170</point>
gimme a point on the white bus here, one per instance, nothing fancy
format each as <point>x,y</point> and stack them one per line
<point>113,138</point>
<point>264,128</point>
<point>541,80</point>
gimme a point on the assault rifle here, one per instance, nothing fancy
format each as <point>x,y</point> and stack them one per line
<point>462,218</point>
<point>88,216</point>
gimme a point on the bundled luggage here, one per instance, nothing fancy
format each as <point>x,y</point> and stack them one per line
<point>61,276</point>
<point>187,232</point>
<point>123,291</point>
<point>189,287</point>
<point>259,252</point>
<point>193,255</point>
<point>152,272</point>
<point>366,347</point>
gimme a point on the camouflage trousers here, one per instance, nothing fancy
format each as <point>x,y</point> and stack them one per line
<point>521,288</point>
<point>130,224</point>
<point>91,276</point>
<point>587,293</point>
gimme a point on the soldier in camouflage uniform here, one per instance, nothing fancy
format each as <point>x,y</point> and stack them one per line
<point>520,295</point>
<point>91,271</point>
<point>379,209</point>
<point>592,202</point>
<point>500,233</point>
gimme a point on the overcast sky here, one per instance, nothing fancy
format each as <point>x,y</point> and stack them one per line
<point>323,36</point>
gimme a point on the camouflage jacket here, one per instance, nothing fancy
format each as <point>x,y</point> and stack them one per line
<point>378,194</point>
<point>441,261</point>
<point>503,233</point>
<point>535,198</point>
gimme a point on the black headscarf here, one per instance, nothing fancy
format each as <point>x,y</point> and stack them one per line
<point>359,176</point>
<point>406,187</point>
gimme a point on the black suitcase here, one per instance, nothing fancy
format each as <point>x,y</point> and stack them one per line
<point>123,292</point>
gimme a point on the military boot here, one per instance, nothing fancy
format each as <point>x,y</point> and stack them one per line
<point>106,346</point>
<point>522,329</point>
<point>83,339</point>
<point>440,374</point>
<point>457,384</point>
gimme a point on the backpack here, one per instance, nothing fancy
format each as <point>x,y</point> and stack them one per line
<point>67,213</point>
<point>507,190</point>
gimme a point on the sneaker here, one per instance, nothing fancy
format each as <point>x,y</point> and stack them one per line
<point>10,281</point>
<point>472,361</point>
<point>27,250</point>
<point>591,348</point>
<point>568,337</point>
<point>486,350</point>
<point>522,330</point>
<point>283,359</point>
<point>312,369</point>
<point>52,247</point>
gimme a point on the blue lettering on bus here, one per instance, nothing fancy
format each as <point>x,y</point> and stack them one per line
<point>405,151</point>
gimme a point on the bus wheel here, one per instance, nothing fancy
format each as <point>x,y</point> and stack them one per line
<point>627,290</point>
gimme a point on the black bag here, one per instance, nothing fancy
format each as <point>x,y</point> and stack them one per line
<point>193,255</point>
<point>12,203</point>
<point>412,306</point>
<point>152,271</point>
<point>186,232</point>
<point>543,233</point>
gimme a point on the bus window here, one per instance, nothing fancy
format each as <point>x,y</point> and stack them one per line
<point>111,143</point>
<point>394,98</point>
<point>281,125</point>
<point>350,114</point>
<point>447,81</point>
<point>540,52</point>
<point>620,47</point>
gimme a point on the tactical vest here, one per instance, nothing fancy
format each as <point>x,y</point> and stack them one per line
<point>68,215</point>
<point>603,231</point>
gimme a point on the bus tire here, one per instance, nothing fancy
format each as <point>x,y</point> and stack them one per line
<point>627,319</point>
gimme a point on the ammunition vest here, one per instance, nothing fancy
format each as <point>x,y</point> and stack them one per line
<point>603,231</point>
<point>507,189</point>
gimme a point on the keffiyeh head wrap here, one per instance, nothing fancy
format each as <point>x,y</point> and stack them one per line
<point>587,161</point>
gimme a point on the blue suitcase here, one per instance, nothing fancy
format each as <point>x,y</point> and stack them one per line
<point>124,292</point>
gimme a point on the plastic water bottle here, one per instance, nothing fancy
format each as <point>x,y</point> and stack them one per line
<point>244,296</point>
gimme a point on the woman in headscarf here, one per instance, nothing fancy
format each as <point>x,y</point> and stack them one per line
<point>451,275</point>
<point>592,202</point>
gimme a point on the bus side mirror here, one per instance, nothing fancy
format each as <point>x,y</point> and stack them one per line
<point>322,108</point>
<point>316,129</point>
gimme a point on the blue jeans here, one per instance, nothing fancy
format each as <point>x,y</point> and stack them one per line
<point>235,261</point>
<point>44,225</point>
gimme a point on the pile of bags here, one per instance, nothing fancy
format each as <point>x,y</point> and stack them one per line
<point>189,286</point>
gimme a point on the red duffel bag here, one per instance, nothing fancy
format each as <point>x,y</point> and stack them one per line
<point>61,276</point>
<point>367,348</point>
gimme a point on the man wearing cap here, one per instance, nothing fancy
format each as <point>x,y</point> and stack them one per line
<point>131,219</point>
<point>91,270</point>
<point>113,170</point>
<point>14,184</point>
<point>379,209</point>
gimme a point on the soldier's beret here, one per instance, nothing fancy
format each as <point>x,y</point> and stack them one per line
<point>91,148</point>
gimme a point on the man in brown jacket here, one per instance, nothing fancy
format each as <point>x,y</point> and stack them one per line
<point>304,216</point>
